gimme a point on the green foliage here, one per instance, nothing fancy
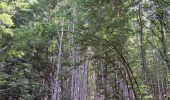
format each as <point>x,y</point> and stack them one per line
<point>105,30</point>
<point>6,19</point>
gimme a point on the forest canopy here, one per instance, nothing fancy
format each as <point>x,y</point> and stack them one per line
<point>84,50</point>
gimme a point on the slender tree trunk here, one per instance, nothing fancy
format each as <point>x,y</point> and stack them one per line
<point>94,80</point>
<point>72,61</point>
<point>52,80</point>
<point>141,48</point>
<point>164,43</point>
<point>59,60</point>
<point>101,65</point>
<point>84,80</point>
<point>53,84</point>
<point>105,81</point>
<point>56,94</point>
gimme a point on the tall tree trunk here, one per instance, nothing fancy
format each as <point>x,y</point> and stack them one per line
<point>52,79</point>
<point>94,82</point>
<point>84,81</point>
<point>164,42</point>
<point>105,79</point>
<point>156,74</point>
<point>56,94</point>
<point>140,41</point>
<point>72,61</point>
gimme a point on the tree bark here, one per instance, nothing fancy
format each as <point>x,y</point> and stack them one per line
<point>140,39</point>
<point>56,93</point>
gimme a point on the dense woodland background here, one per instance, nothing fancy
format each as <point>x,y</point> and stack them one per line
<point>84,49</point>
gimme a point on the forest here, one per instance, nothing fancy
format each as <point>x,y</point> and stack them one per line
<point>84,49</point>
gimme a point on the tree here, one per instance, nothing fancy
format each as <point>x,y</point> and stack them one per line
<point>84,49</point>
